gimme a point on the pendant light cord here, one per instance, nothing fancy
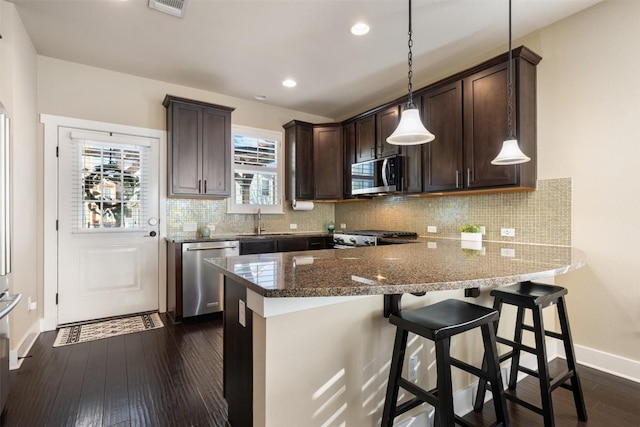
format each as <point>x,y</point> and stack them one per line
<point>410,103</point>
<point>509,84</point>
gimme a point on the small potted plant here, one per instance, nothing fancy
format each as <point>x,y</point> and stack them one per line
<point>471,236</point>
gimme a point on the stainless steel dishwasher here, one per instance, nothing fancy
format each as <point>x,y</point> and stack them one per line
<point>202,285</point>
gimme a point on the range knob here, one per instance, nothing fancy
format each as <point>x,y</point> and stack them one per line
<point>353,240</point>
<point>338,239</point>
<point>369,242</point>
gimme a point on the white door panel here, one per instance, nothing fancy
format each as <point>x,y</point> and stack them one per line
<point>108,241</point>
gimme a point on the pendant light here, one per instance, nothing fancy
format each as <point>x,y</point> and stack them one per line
<point>410,130</point>
<point>510,154</point>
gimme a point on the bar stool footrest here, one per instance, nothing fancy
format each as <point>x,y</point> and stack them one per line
<point>470,368</point>
<point>420,393</point>
<point>516,345</point>
<point>551,334</point>
<point>524,403</point>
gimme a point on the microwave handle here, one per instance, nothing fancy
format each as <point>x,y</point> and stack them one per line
<point>385,179</point>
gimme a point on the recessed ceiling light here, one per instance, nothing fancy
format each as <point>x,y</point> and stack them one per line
<point>289,83</point>
<point>360,29</point>
<point>261,97</point>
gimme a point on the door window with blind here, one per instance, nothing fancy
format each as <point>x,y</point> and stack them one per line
<point>110,195</point>
<point>257,171</point>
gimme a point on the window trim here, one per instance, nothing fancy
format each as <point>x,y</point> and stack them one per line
<point>234,208</point>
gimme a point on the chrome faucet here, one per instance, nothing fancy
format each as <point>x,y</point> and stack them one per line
<point>259,228</point>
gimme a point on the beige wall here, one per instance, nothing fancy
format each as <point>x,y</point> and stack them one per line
<point>588,129</point>
<point>18,94</point>
<point>73,90</point>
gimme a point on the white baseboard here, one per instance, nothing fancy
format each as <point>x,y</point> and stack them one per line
<point>606,362</point>
<point>16,356</point>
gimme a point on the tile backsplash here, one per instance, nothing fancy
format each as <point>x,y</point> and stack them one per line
<point>213,212</point>
<point>542,216</point>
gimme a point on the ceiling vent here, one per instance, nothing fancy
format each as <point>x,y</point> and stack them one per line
<point>171,7</point>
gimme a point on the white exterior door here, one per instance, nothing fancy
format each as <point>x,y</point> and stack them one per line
<point>108,244</point>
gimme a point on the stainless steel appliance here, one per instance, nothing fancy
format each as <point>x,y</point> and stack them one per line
<point>377,176</point>
<point>357,238</point>
<point>202,286</point>
<point>7,302</point>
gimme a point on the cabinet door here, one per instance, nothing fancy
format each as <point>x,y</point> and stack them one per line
<point>292,244</point>
<point>349,144</point>
<point>216,152</point>
<point>366,138</point>
<point>262,246</point>
<point>185,168</point>
<point>485,125</point>
<point>412,162</point>
<point>299,160</point>
<point>327,162</point>
<point>387,121</point>
<point>442,160</point>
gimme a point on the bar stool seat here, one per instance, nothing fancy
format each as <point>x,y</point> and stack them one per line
<point>535,297</point>
<point>439,323</point>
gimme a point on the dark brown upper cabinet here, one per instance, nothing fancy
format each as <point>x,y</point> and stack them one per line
<point>328,162</point>
<point>386,123</point>
<point>349,153</point>
<point>485,123</point>
<point>442,157</point>
<point>365,138</point>
<point>299,180</point>
<point>467,113</point>
<point>199,150</point>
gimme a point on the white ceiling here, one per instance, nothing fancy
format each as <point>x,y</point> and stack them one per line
<point>243,48</point>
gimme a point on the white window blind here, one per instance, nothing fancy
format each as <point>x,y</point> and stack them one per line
<point>111,189</point>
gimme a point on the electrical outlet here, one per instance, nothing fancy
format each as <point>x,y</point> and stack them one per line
<point>432,245</point>
<point>33,306</point>
<point>508,252</point>
<point>432,229</point>
<point>28,303</point>
<point>190,226</point>
<point>343,226</point>
<point>483,230</point>
<point>412,374</point>
<point>508,232</point>
<point>293,226</point>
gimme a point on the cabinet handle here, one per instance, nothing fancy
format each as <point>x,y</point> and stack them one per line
<point>205,186</point>
<point>373,152</point>
<point>199,186</point>
<point>468,177</point>
<point>457,178</point>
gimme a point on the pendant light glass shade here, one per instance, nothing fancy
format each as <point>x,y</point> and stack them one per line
<point>410,130</point>
<point>510,154</point>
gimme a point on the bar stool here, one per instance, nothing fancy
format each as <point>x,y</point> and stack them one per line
<point>439,322</point>
<point>536,296</point>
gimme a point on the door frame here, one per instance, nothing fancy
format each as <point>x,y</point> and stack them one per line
<point>50,198</point>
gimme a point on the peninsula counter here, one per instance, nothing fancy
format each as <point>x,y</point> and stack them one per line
<point>306,341</point>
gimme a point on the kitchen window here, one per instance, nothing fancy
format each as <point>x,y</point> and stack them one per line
<point>256,171</point>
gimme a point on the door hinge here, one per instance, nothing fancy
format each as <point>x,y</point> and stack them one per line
<point>57,151</point>
<point>56,225</point>
<point>56,299</point>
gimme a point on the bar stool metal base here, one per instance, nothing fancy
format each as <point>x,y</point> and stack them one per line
<point>438,323</point>
<point>535,297</point>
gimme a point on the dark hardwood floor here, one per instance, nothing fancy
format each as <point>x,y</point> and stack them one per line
<point>172,376</point>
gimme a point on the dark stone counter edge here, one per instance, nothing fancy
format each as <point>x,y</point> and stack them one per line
<point>358,290</point>
<point>232,237</point>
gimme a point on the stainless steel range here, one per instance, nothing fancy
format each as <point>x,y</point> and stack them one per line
<point>357,238</point>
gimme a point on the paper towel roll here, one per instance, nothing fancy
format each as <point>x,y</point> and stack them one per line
<point>302,205</point>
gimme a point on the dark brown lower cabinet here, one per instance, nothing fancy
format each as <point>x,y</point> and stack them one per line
<point>238,355</point>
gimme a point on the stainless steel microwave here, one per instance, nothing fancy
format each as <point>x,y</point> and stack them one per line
<point>377,176</point>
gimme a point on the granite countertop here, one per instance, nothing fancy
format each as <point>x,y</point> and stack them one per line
<point>426,265</point>
<point>247,236</point>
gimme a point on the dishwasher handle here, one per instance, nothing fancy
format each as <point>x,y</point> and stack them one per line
<point>208,248</point>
